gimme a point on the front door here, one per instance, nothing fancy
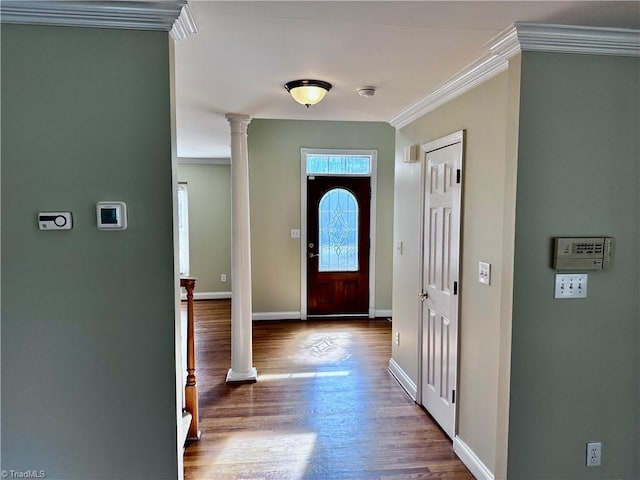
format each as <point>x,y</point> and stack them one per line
<point>441,245</point>
<point>338,210</point>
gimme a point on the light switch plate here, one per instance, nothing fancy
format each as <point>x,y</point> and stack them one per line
<point>484,273</point>
<point>295,233</point>
<point>571,285</point>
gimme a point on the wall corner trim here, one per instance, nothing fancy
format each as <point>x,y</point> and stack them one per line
<point>521,37</point>
<point>403,379</point>
<point>471,460</point>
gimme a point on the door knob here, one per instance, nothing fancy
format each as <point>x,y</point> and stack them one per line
<point>423,296</point>
<point>311,255</point>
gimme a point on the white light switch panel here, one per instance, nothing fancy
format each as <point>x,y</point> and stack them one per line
<point>484,273</point>
<point>571,285</point>
<point>295,233</point>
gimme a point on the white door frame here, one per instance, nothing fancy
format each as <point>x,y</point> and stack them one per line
<point>456,137</point>
<point>303,220</point>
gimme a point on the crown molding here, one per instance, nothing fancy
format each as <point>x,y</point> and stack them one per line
<point>522,37</point>
<point>185,25</point>
<point>534,37</point>
<point>139,15</point>
<point>470,77</point>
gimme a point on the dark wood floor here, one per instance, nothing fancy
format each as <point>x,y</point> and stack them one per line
<point>324,407</point>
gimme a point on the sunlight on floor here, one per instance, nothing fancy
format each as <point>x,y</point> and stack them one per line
<point>284,376</point>
<point>244,449</point>
<point>322,348</point>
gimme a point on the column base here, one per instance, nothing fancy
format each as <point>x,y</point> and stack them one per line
<point>242,377</point>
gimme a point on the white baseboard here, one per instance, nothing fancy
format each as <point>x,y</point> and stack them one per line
<point>403,379</point>
<point>471,460</point>
<point>276,316</point>
<point>207,295</point>
<point>383,313</point>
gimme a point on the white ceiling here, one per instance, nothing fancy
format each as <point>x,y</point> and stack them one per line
<point>244,52</point>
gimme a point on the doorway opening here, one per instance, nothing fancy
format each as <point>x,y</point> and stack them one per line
<point>337,252</point>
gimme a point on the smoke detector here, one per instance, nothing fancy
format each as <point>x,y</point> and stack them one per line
<point>367,91</point>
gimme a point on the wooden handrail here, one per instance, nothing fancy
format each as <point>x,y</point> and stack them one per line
<point>191,389</point>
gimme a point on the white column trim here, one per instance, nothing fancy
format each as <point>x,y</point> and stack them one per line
<point>241,327</point>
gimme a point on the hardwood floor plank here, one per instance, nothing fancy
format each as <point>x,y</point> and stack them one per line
<point>325,406</point>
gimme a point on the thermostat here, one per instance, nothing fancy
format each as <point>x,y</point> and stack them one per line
<point>55,220</point>
<point>111,215</point>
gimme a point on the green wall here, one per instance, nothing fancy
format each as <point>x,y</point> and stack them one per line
<point>274,176</point>
<point>575,362</point>
<point>209,188</point>
<point>88,352</point>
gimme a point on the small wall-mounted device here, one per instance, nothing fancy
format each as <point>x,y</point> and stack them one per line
<point>111,215</point>
<point>583,253</point>
<point>55,220</point>
<point>411,154</point>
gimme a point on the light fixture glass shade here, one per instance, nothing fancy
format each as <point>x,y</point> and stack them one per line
<point>308,92</point>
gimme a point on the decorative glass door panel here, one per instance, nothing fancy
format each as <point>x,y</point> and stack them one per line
<point>338,232</point>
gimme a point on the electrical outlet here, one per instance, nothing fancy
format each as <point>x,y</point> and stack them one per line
<point>397,338</point>
<point>594,454</point>
<point>223,277</point>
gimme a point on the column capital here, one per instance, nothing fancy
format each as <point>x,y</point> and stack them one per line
<point>238,121</point>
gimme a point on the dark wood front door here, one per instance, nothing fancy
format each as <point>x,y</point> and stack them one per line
<point>338,210</point>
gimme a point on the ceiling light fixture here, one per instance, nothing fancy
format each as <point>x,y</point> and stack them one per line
<point>307,92</point>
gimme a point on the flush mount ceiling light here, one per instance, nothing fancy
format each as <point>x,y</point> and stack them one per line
<point>307,92</point>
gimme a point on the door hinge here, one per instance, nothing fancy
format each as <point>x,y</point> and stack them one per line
<point>458,174</point>
<point>455,288</point>
<point>453,396</point>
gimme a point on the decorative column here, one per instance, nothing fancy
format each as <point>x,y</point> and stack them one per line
<point>241,335</point>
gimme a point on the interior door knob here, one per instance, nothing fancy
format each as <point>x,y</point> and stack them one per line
<point>423,296</point>
<point>311,255</point>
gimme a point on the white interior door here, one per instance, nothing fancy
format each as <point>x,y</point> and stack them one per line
<point>440,285</point>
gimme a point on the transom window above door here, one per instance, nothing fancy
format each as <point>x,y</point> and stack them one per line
<point>332,164</point>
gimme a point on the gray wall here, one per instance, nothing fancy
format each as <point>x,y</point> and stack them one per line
<point>274,163</point>
<point>575,362</point>
<point>88,353</point>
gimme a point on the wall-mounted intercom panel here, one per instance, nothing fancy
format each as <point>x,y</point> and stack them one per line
<point>583,253</point>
